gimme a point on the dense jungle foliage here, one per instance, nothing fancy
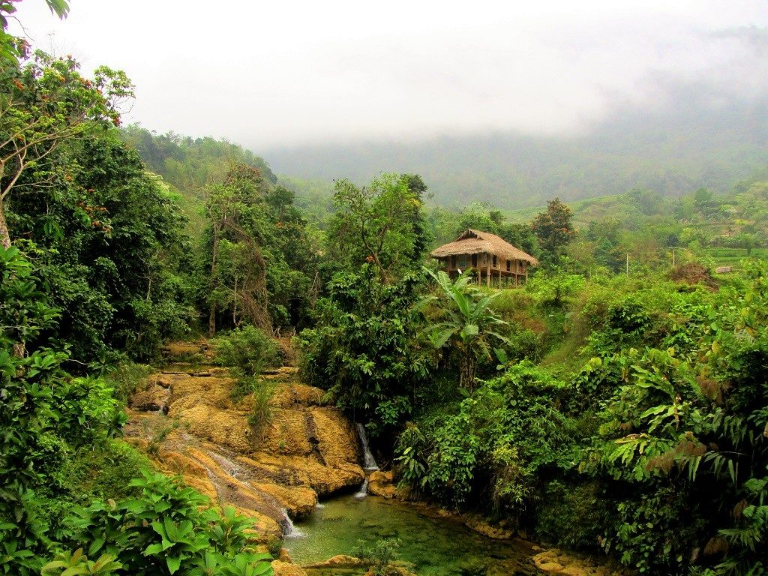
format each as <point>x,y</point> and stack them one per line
<point>605,407</point>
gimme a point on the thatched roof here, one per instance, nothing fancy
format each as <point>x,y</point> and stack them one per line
<point>477,242</point>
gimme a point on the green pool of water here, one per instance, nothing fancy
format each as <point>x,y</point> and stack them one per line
<point>433,546</point>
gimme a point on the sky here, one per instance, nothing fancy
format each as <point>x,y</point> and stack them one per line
<point>276,74</point>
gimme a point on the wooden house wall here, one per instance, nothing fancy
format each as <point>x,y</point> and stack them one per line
<point>481,261</point>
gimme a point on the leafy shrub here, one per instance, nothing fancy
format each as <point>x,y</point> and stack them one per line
<point>167,529</point>
<point>125,378</point>
<point>380,555</point>
<point>683,435</point>
<point>45,415</point>
<point>573,515</point>
<point>509,432</point>
<point>104,471</point>
<point>247,350</point>
<point>366,352</point>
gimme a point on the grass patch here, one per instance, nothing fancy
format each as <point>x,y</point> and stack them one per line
<point>104,471</point>
<point>126,378</point>
<point>260,392</point>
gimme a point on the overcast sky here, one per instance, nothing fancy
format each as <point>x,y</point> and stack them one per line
<point>268,74</point>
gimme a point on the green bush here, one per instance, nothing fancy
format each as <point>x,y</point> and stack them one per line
<point>125,378</point>
<point>167,529</point>
<point>381,555</point>
<point>104,470</point>
<point>573,515</point>
<point>503,439</point>
<point>247,351</point>
<point>365,350</point>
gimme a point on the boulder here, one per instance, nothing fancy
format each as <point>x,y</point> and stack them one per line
<point>382,484</point>
<point>481,526</point>
<point>152,399</point>
<point>555,561</point>
<point>340,561</point>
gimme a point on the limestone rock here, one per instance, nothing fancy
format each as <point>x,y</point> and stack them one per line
<point>153,399</point>
<point>481,526</point>
<point>305,450</point>
<point>342,560</point>
<point>382,484</point>
<point>296,395</point>
<point>286,569</point>
<point>560,563</point>
<point>299,501</point>
<point>285,556</point>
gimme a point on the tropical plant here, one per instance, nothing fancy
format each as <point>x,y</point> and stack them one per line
<point>45,415</point>
<point>465,322</point>
<point>167,529</point>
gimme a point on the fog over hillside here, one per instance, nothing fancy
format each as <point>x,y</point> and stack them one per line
<point>695,140</point>
<point>507,102</point>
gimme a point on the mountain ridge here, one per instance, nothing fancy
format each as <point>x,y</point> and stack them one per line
<point>672,152</point>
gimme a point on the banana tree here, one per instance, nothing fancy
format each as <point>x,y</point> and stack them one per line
<point>466,323</point>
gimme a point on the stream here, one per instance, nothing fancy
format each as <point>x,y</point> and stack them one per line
<point>432,546</point>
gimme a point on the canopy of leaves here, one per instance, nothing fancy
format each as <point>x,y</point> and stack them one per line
<point>381,223</point>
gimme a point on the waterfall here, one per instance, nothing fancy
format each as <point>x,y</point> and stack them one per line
<point>289,530</point>
<point>363,492</point>
<point>369,462</point>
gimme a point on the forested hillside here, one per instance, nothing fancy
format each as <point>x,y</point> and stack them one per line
<point>671,152</point>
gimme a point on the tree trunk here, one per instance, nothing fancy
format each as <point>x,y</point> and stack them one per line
<point>19,350</point>
<point>5,237</point>
<point>234,304</point>
<point>212,312</point>
<point>467,371</point>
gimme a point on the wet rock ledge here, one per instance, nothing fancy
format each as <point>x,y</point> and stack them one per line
<point>185,418</point>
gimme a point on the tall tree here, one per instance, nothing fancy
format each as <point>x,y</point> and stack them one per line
<point>106,240</point>
<point>554,228</point>
<point>381,223</point>
<point>261,261</point>
<point>233,210</point>
<point>44,103</point>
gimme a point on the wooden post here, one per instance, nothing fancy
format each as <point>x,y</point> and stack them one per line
<point>488,270</point>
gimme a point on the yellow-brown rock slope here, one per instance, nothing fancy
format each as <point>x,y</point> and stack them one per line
<point>186,419</point>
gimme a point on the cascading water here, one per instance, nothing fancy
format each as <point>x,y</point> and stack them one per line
<point>289,530</point>
<point>369,462</point>
<point>363,492</point>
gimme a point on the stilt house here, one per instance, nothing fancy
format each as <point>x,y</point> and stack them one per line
<point>494,260</point>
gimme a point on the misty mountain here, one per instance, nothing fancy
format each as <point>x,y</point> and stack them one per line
<point>697,142</point>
